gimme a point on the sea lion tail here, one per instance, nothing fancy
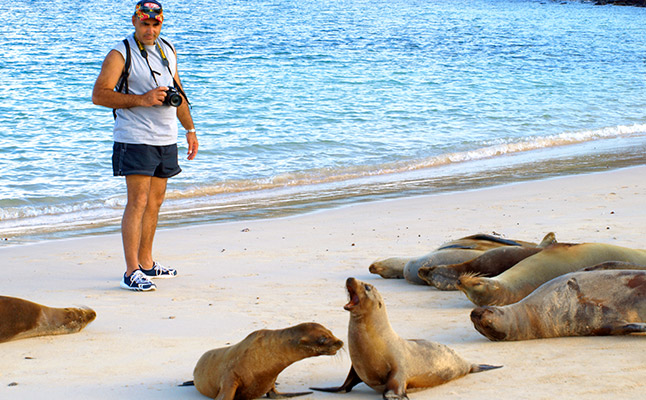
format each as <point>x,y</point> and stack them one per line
<point>188,383</point>
<point>483,367</point>
<point>278,395</point>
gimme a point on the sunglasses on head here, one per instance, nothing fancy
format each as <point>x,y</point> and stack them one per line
<point>149,7</point>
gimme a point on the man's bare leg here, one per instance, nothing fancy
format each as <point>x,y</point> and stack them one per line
<point>149,222</point>
<point>139,187</point>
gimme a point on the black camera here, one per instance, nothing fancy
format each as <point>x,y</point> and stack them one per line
<point>173,97</point>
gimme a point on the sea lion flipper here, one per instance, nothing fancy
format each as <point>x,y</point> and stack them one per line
<point>626,329</point>
<point>549,239</point>
<point>273,394</point>
<point>483,367</point>
<point>351,381</point>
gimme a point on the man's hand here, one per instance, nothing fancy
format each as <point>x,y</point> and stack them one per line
<point>154,97</point>
<point>191,139</point>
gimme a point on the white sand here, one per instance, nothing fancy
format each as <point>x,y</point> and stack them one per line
<point>285,271</point>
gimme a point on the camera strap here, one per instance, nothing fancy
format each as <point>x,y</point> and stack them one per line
<point>144,54</point>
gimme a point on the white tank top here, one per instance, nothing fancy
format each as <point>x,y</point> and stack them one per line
<point>156,125</point>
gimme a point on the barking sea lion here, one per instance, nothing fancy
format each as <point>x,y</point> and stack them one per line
<point>582,303</point>
<point>20,319</point>
<point>386,362</point>
<point>249,369</point>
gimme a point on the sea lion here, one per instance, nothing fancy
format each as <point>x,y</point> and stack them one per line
<point>248,369</point>
<point>583,303</point>
<point>490,263</point>
<point>555,260</point>
<point>20,319</point>
<point>452,252</point>
<point>386,362</point>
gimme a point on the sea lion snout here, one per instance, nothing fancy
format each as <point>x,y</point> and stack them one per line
<point>350,285</point>
<point>483,321</point>
<point>425,272</point>
<point>75,319</point>
<point>362,295</point>
<point>317,339</point>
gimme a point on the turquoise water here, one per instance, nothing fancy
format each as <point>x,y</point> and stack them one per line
<point>302,105</point>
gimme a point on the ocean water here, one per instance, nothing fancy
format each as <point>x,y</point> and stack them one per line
<point>303,105</point>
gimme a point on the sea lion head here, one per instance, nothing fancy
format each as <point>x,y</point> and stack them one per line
<point>486,321</point>
<point>363,297</point>
<point>481,291</point>
<point>424,274</point>
<point>441,276</point>
<point>316,340</point>
<point>388,268</point>
<point>74,319</point>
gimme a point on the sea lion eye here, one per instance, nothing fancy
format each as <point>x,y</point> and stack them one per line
<point>368,288</point>
<point>321,341</point>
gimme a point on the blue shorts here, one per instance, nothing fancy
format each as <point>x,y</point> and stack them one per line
<point>143,159</point>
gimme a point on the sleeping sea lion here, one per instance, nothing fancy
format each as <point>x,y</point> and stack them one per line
<point>20,319</point>
<point>490,263</point>
<point>386,362</point>
<point>248,369</point>
<point>453,252</point>
<point>584,303</point>
<point>555,260</point>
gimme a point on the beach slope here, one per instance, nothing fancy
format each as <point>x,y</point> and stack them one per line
<point>239,277</point>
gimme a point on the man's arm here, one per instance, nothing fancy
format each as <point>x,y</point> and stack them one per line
<point>103,93</point>
<point>184,116</point>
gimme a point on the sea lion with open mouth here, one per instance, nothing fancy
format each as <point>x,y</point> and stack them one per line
<point>386,362</point>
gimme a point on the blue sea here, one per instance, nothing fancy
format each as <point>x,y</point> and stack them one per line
<point>304,105</point>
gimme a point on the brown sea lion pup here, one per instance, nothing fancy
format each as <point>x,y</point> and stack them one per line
<point>453,252</point>
<point>490,263</point>
<point>386,362</point>
<point>584,303</point>
<point>20,319</point>
<point>555,260</point>
<point>248,370</point>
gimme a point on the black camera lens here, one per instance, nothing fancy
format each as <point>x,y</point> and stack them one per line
<point>173,98</point>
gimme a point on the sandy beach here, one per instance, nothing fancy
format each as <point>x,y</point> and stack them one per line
<point>239,277</point>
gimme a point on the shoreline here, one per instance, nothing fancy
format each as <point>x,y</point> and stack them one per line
<point>236,277</point>
<point>201,208</point>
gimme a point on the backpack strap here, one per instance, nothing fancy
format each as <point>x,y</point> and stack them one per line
<point>122,84</point>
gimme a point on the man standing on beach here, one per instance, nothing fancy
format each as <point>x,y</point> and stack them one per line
<point>145,134</point>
